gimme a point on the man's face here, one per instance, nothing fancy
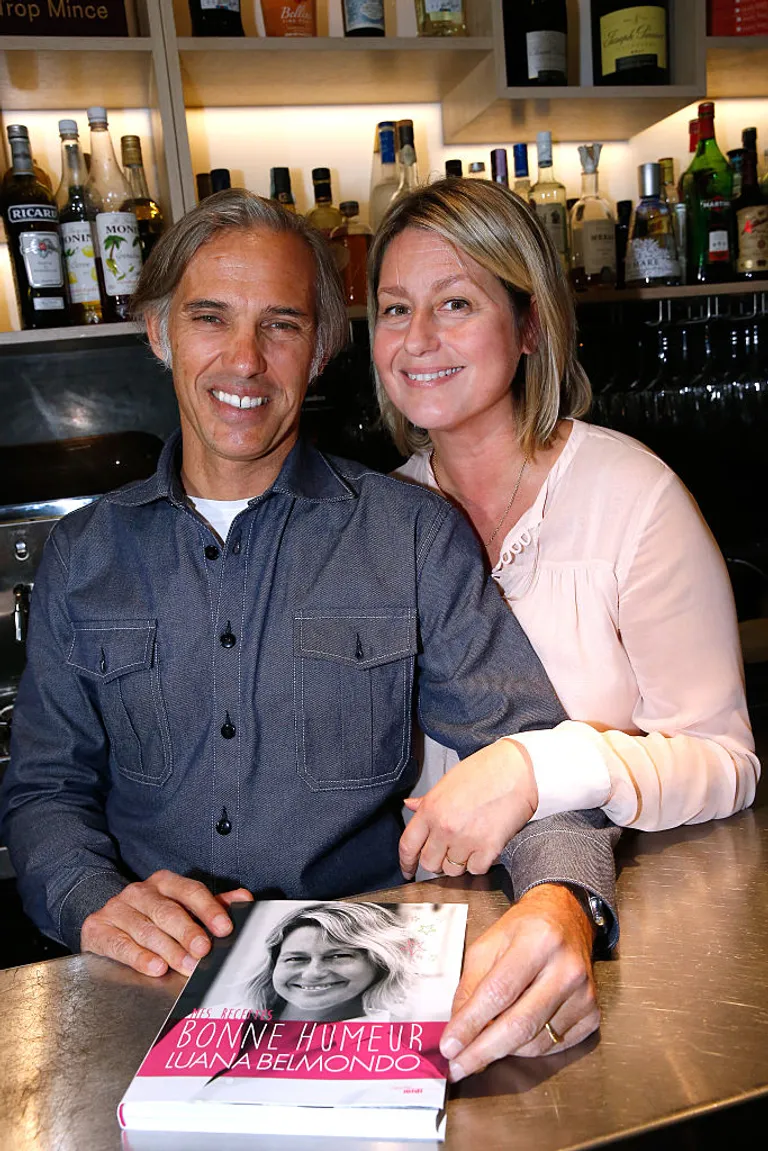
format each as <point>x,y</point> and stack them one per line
<point>242,334</point>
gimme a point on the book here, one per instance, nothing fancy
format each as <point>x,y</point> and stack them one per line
<point>310,1018</point>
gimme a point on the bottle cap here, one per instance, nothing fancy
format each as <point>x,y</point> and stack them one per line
<point>749,139</point>
<point>544,148</point>
<point>454,168</point>
<point>405,133</point>
<point>67,127</point>
<point>280,179</point>
<point>590,157</point>
<point>349,208</point>
<point>623,210</point>
<point>386,124</point>
<point>96,114</point>
<point>499,165</point>
<point>520,156</point>
<point>17,132</point>
<point>220,179</point>
<point>386,138</point>
<point>667,165</point>
<point>130,147</point>
<point>707,109</point>
<point>477,166</point>
<point>649,181</point>
<point>204,187</point>
<point>321,175</point>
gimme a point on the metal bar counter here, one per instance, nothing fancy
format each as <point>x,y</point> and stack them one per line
<point>685,1018</point>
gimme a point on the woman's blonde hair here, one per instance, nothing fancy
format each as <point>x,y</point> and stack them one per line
<point>503,234</point>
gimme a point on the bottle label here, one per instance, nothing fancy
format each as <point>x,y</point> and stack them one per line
<point>598,238</point>
<point>633,37</point>
<point>649,259</point>
<point>80,261</point>
<point>552,217</point>
<point>227,5</point>
<point>753,239</point>
<point>546,52</point>
<point>32,213</point>
<point>362,14</point>
<point>41,253</point>
<point>718,246</point>
<point>444,10</point>
<point>48,303</point>
<point>120,250</point>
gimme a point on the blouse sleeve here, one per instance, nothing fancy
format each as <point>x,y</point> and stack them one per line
<point>678,625</point>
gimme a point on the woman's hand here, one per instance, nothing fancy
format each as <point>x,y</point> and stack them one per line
<point>533,967</point>
<point>467,818</point>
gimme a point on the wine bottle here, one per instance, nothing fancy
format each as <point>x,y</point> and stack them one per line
<point>630,42</point>
<point>324,216</point>
<point>216,18</point>
<point>77,213</point>
<point>546,42</point>
<point>280,188</point>
<point>350,242</point>
<point>548,194</point>
<point>707,190</point>
<point>117,229</point>
<point>651,258</point>
<point>34,240</point>
<point>146,210</point>
<point>751,216</point>
<point>441,18</point>
<point>363,18</point>
<point>384,177</point>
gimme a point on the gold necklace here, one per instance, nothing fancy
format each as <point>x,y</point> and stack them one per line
<point>504,514</point>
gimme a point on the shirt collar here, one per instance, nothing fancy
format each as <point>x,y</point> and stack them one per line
<point>305,474</point>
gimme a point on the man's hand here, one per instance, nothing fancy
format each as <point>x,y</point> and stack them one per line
<point>534,966</point>
<point>159,923</point>
<point>466,819</point>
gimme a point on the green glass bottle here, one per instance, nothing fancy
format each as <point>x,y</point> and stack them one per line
<point>708,191</point>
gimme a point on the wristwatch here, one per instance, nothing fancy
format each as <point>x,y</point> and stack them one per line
<point>597,911</point>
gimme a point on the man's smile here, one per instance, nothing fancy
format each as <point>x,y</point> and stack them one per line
<point>234,401</point>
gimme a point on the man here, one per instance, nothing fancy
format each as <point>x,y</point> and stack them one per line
<point>223,662</point>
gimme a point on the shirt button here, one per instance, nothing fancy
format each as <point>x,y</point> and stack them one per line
<point>235,549</point>
<point>211,552</point>
<point>228,729</point>
<point>228,638</point>
<point>224,824</point>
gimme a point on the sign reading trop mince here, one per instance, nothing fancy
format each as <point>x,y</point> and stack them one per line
<point>63,18</point>
<point>319,1018</point>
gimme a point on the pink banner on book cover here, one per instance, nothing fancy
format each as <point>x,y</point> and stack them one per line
<point>349,1049</point>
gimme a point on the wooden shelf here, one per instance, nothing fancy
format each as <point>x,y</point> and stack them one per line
<point>45,73</point>
<point>83,335</point>
<point>271,72</point>
<point>737,66</point>
<point>687,291</point>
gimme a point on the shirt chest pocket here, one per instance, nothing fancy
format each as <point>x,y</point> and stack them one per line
<point>353,685</point>
<point>120,658</point>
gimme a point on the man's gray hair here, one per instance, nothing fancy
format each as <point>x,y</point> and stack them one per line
<point>239,210</point>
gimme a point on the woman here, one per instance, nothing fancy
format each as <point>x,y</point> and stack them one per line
<point>595,544</point>
<point>335,961</point>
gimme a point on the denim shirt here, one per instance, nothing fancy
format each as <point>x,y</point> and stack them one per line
<point>242,713</point>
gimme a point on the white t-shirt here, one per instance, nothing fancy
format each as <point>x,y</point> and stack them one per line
<point>218,514</point>
<point>625,597</point>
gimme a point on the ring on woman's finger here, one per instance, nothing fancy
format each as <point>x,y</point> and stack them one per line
<point>553,1034</point>
<point>453,862</point>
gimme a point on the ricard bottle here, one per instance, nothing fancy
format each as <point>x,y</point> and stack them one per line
<point>117,229</point>
<point>146,210</point>
<point>77,215</point>
<point>32,229</point>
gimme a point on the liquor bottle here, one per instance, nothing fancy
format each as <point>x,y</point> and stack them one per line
<point>325,216</point>
<point>736,160</point>
<point>693,143</point>
<point>363,17</point>
<point>454,168</point>
<point>651,251</point>
<point>280,188</point>
<point>751,216</point>
<point>34,241</point>
<point>204,187</point>
<point>351,241</point>
<point>77,214</point>
<point>707,190</point>
<point>216,18</point>
<point>522,179</point>
<point>220,179</point>
<point>40,174</point>
<point>546,42</point>
<point>623,219</point>
<point>117,229</point>
<point>630,42</point>
<point>384,177</point>
<point>764,177</point>
<point>499,169</point>
<point>146,210</point>
<point>476,170</point>
<point>593,229</point>
<point>548,194</point>
<point>441,18</point>
<point>406,155</point>
<point>670,194</point>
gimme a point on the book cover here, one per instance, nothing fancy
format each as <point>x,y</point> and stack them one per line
<point>311,1018</point>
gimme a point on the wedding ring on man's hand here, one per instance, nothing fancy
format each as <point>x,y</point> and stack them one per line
<point>453,862</point>
<point>553,1034</point>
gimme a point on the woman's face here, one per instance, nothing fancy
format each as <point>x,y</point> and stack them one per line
<point>446,343</point>
<point>314,974</point>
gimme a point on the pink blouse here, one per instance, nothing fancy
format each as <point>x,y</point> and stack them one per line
<point>624,594</point>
